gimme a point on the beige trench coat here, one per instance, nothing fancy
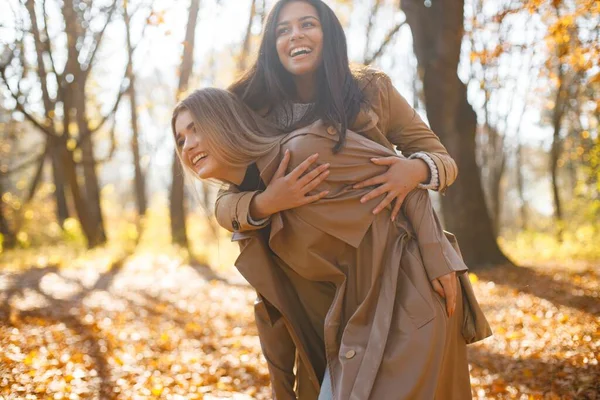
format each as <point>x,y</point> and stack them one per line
<point>342,287</point>
<point>388,120</point>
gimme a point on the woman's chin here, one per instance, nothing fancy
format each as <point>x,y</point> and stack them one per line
<point>202,173</point>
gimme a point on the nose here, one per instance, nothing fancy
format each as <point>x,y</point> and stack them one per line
<point>296,34</point>
<point>191,141</point>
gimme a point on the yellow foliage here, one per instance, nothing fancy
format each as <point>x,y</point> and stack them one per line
<point>71,144</point>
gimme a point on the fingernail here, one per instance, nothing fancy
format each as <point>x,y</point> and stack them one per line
<point>362,200</point>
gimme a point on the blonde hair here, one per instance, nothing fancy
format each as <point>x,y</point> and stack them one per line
<point>235,135</point>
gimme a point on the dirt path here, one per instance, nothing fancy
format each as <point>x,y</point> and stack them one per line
<point>150,328</point>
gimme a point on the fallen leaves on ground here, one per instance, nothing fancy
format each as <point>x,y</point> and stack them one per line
<point>150,327</point>
<point>546,342</point>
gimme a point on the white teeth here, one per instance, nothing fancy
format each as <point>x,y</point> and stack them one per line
<point>199,157</point>
<point>297,50</point>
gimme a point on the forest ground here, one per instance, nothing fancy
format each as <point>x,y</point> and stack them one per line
<point>150,324</point>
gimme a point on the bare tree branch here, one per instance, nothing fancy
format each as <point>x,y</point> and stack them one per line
<point>21,108</point>
<point>26,164</point>
<point>113,146</point>
<point>49,46</point>
<point>48,103</point>
<point>124,88</point>
<point>37,178</point>
<point>246,44</point>
<point>386,41</point>
<point>98,39</point>
<point>372,15</point>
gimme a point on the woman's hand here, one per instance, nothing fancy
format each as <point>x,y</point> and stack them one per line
<point>445,286</point>
<point>289,191</point>
<point>402,176</point>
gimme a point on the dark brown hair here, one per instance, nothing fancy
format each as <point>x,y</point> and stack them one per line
<point>267,83</point>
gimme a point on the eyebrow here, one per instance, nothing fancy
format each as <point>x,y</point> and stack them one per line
<point>299,19</point>
<point>187,128</point>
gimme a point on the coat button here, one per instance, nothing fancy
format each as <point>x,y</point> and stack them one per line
<point>235,224</point>
<point>331,130</point>
<point>350,354</point>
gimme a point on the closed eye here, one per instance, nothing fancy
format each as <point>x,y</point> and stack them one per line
<point>282,31</point>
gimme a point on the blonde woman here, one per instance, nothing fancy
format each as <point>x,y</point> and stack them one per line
<point>350,289</point>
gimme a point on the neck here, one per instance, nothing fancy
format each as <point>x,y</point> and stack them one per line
<point>235,175</point>
<point>306,87</point>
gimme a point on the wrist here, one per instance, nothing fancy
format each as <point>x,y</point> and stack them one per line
<point>259,207</point>
<point>421,171</point>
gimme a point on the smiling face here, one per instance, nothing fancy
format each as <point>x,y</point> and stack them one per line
<point>194,151</point>
<point>299,38</point>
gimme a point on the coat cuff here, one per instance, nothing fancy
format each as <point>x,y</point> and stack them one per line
<point>240,216</point>
<point>442,258</point>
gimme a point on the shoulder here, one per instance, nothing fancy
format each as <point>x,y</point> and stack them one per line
<point>308,140</point>
<point>371,81</point>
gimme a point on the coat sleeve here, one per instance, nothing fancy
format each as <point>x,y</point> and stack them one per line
<point>232,209</point>
<point>403,127</point>
<point>438,254</point>
<point>278,349</point>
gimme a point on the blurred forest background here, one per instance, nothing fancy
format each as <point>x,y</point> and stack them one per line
<point>115,280</point>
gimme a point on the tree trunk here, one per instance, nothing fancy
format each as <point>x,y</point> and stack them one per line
<point>521,187</point>
<point>41,47</point>
<point>139,179</point>
<point>176,204</point>
<point>92,184</point>
<point>555,152</point>
<point>437,34</point>
<point>242,64</point>
<point>83,214</point>
<point>58,176</point>
<point>496,163</point>
<point>8,237</point>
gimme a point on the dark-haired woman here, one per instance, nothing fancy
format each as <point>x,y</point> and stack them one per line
<point>302,74</point>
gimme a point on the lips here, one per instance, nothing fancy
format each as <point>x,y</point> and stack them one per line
<point>300,51</point>
<point>199,157</point>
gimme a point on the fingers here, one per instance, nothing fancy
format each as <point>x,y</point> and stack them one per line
<point>376,180</point>
<point>300,169</point>
<point>384,203</point>
<point>282,165</point>
<point>449,284</point>
<point>315,182</point>
<point>398,205</point>
<point>385,160</point>
<point>306,179</point>
<point>437,286</point>
<point>396,209</point>
<point>375,193</point>
<point>315,197</point>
